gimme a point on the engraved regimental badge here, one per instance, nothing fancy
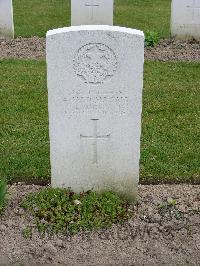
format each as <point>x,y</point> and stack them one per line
<point>94,63</point>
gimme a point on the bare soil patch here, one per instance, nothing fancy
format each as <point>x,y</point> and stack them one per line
<point>167,50</point>
<point>173,50</point>
<point>158,234</point>
<point>23,48</point>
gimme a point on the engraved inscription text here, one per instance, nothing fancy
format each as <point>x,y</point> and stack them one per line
<point>111,104</point>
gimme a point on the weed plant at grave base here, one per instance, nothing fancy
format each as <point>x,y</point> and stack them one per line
<point>34,18</point>
<point>58,210</point>
<point>151,38</point>
<point>2,194</point>
<point>170,126</point>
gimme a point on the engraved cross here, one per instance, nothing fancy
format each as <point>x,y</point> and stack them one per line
<point>92,5</point>
<point>95,137</point>
<point>194,7</point>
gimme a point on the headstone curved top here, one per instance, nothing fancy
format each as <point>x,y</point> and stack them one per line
<point>6,19</point>
<point>95,79</point>
<point>185,19</point>
<point>91,12</point>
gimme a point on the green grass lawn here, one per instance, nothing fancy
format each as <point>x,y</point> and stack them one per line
<point>170,130</point>
<point>34,18</point>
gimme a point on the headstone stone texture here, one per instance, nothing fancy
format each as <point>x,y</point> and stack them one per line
<point>95,80</point>
<point>6,19</point>
<point>185,19</point>
<point>91,12</point>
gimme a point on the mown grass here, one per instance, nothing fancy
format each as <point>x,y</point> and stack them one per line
<point>3,191</point>
<point>34,18</point>
<point>153,15</point>
<point>23,120</point>
<point>170,128</point>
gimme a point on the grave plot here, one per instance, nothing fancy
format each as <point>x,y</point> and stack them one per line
<point>89,118</point>
<point>95,123</point>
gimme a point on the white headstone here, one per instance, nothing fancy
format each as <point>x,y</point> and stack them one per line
<point>91,12</point>
<point>185,19</point>
<point>95,80</point>
<point>6,19</point>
